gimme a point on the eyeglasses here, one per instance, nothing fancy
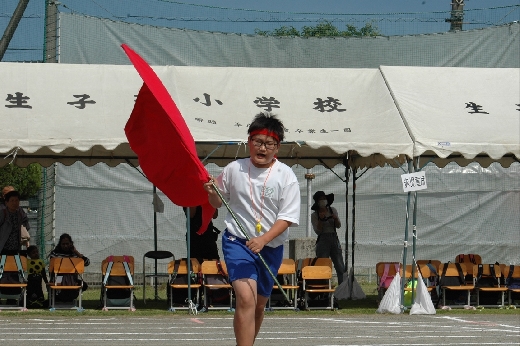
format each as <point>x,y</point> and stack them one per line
<point>268,145</point>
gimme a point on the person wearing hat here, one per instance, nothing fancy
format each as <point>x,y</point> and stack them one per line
<point>325,221</point>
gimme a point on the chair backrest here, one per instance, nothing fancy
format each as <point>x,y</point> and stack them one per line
<point>451,270</point>
<point>320,261</point>
<point>10,263</point>
<point>182,268</point>
<point>425,271</point>
<point>161,254</point>
<point>434,263</point>
<point>316,273</point>
<point>487,271</point>
<point>211,267</point>
<point>507,268</point>
<point>380,268</point>
<point>118,268</point>
<point>67,265</point>
<point>468,258</point>
<point>288,266</point>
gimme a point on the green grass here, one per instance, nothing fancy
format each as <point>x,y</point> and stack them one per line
<point>91,304</point>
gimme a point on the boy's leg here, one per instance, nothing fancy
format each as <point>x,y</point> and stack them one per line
<point>245,322</point>
<point>259,313</point>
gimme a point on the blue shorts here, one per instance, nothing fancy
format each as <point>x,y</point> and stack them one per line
<point>242,263</point>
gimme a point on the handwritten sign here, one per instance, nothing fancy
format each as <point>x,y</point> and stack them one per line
<point>414,181</point>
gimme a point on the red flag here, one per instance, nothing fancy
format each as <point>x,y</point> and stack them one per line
<point>158,134</point>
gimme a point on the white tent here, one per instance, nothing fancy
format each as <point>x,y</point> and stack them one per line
<point>459,114</point>
<point>67,113</point>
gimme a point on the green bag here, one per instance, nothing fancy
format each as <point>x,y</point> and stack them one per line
<point>408,294</point>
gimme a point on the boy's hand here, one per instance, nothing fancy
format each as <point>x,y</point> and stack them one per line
<point>209,186</point>
<point>256,244</point>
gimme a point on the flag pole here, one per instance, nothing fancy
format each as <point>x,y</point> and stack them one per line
<point>249,238</point>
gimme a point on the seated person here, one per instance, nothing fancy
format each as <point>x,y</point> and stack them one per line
<point>66,249</point>
<point>36,274</point>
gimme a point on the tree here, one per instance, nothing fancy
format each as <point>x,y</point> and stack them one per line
<point>27,181</point>
<point>322,29</point>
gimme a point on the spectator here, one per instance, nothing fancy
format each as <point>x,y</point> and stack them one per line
<point>25,220</point>
<point>325,221</point>
<point>66,249</point>
<point>36,273</point>
<point>12,218</point>
<point>202,246</point>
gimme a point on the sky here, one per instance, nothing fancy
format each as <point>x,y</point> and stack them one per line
<point>351,6</point>
<point>26,44</point>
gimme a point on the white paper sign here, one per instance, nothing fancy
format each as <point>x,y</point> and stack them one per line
<point>414,181</point>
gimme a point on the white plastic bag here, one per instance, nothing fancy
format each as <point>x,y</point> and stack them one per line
<point>422,304</point>
<point>391,302</point>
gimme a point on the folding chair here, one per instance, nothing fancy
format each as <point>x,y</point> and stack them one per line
<point>316,261</point>
<point>61,268</point>
<point>13,282</point>
<point>433,279</point>
<point>179,276</point>
<point>385,272</point>
<point>452,281</point>
<point>215,277</point>
<point>288,269</point>
<point>511,274</point>
<point>118,283</point>
<point>469,261</point>
<point>156,256</point>
<point>310,273</point>
<point>491,286</point>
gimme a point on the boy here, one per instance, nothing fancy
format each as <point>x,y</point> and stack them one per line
<point>265,196</point>
<point>36,273</point>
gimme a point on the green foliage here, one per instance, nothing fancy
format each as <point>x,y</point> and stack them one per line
<point>27,181</point>
<point>323,29</point>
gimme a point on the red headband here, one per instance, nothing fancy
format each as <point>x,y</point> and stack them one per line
<point>265,132</point>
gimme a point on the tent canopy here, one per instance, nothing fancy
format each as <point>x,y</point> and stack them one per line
<point>67,113</point>
<point>459,114</point>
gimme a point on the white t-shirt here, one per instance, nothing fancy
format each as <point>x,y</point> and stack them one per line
<point>281,200</point>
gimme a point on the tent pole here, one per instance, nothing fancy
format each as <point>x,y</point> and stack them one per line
<point>155,245</point>
<point>347,177</point>
<point>309,176</point>
<point>354,178</point>
<point>188,252</point>
<point>405,252</point>
<point>414,230</point>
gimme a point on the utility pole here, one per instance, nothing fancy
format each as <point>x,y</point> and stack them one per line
<point>51,31</point>
<point>457,15</point>
<point>11,27</point>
